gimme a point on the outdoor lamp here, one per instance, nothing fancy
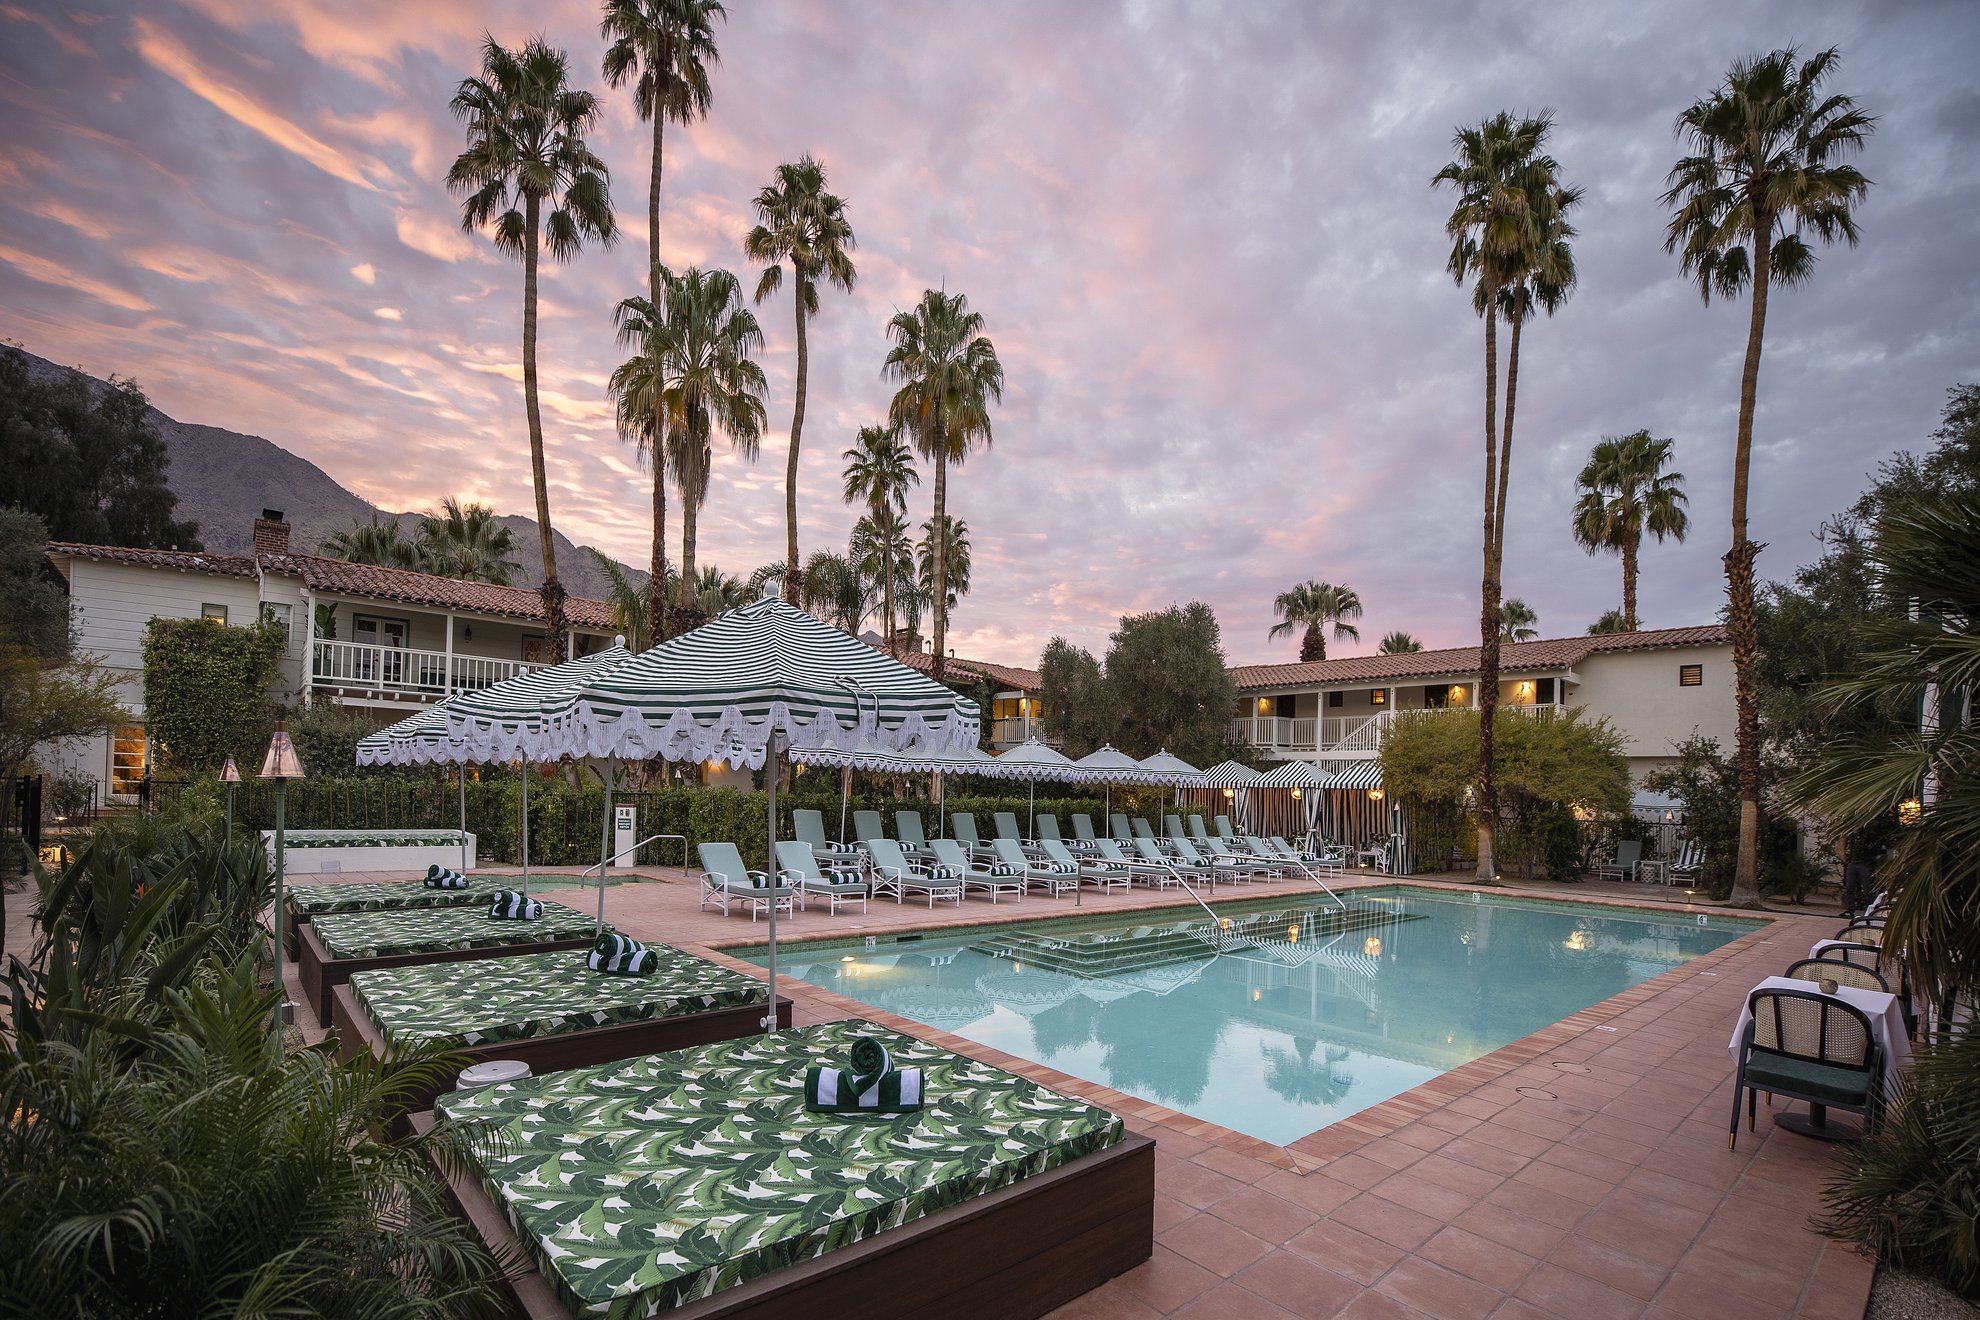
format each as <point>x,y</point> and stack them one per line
<point>1292,934</point>
<point>1910,811</point>
<point>1375,795</point>
<point>1230,792</point>
<point>281,764</point>
<point>1372,946</point>
<point>230,775</point>
<point>1296,794</point>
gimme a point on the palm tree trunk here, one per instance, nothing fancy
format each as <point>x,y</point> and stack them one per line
<point>1739,585</point>
<point>653,210</point>
<point>791,463</point>
<point>939,530</point>
<point>656,582</point>
<point>1313,646</point>
<point>552,590</point>
<point>1505,449</point>
<point>1629,548</point>
<point>691,490</point>
<point>887,588</point>
<point>1488,604</point>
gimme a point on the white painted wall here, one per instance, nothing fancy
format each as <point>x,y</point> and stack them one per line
<point>1638,691</point>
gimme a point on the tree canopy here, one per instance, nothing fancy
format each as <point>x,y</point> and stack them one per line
<point>87,462</point>
<point>1164,685</point>
<point>34,610</point>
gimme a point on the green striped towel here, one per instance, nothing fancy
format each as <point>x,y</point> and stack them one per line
<point>941,872</point>
<point>1003,870</point>
<point>1060,868</point>
<point>871,1086</point>
<point>513,905</point>
<point>616,955</point>
<point>440,877</point>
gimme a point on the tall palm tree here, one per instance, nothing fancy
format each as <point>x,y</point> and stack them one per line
<point>943,559</point>
<point>628,600</point>
<point>1768,150</point>
<point>1314,606</point>
<point>637,386</point>
<point>380,543</point>
<point>1399,643</point>
<point>1610,622</point>
<point>467,542</point>
<point>1625,492</point>
<point>713,591</point>
<point>1517,622</point>
<point>670,44</point>
<point>879,469</point>
<point>705,380</point>
<point>798,222</point>
<point>528,174</point>
<point>836,590</point>
<point>949,376</point>
<point>1508,234</point>
<point>884,553</point>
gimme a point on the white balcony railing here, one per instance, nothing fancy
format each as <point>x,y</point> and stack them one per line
<point>401,671</point>
<point>1011,732</point>
<point>1339,733</point>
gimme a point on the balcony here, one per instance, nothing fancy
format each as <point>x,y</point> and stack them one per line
<point>1006,734</point>
<point>1340,734</point>
<point>398,673</point>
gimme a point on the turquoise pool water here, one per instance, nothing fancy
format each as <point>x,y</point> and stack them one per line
<point>1293,1016</point>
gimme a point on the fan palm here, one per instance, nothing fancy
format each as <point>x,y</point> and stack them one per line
<point>670,45</point>
<point>1517,621</point>
<point>798,222</point>
<point>714,591</point>
<point>629,602</point>
<point>1610,622</point>
<point>1625,492</point>
<point>694,375</point>
<point>528,174</point>
<point>1314,606</point>
<point>636,386</point>
<point>949,376</point>
<point>879,469</point>
<point>379,543</point>
<point>1509,235</point>
<point>1399,643</point>
<point>836,590</point>
<point>943,559</point>
<point>467,542</point>
<point>1767,164</point>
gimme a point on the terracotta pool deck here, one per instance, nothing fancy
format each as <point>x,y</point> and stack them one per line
<point>1579,1173</point>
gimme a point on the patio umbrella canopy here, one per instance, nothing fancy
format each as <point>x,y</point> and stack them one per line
<point>423,739</point>
<point>1240,779</point>
<point>511,719</point>
<point>756,681</point>
<point>1109,765</point>
<point>1167,770</point>
<point>1032,761</point>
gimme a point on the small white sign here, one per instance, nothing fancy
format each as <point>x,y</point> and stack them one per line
<point>625,833</point>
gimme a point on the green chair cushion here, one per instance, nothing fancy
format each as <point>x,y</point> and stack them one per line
<point>1824,1083</point>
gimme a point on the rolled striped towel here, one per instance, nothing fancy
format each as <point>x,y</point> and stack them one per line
<point>1062,868</point>
<point>1004,870</point>
<point>941,872</point>
<point>440,877</point>
<point>616,955</point>
<point>513,905</point>
<point>872,1085</point>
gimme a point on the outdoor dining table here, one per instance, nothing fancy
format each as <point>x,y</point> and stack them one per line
<point>1815,949</point>
<point>1886,1028</point>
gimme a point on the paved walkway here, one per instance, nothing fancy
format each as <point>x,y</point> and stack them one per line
<point>1580,1173</point>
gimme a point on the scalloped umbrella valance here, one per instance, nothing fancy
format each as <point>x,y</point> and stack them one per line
<point>514,717</point>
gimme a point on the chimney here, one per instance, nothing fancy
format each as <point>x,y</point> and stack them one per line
<point>271,534</point>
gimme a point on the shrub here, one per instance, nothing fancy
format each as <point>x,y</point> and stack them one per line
<point>206,692</point>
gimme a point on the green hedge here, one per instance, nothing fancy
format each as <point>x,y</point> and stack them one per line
<point>565,824</point>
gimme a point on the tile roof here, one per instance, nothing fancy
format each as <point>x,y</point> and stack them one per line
<point>1550,653</point>
<point>1009,676</point>
<point>186,561</point>
<point>323,574</point>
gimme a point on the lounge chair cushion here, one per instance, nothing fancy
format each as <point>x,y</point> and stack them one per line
<point>1826,1083</point>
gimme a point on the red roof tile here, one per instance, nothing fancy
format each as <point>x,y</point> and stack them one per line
<point>1551,653</point>
<point>322,574</point>
<point>1008,676</point>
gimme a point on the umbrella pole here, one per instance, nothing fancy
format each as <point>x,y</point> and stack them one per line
<point>464,860</point>
<point>845,793</point>
<point>525,825</point>
<point>770,816</point>
<point>605,844</point>
<point>1031,809</point>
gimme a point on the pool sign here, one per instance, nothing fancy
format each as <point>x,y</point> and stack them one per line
<point>625,826</point>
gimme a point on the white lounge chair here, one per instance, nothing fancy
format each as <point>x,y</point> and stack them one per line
<point>800,869</point>
<point>951,862</point>
<point>893,871</point>
<point>726,881</point>
<point>1052,877</point>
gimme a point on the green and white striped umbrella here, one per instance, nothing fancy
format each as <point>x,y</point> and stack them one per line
<point>513,718</point>
<point>915,760</point>
<point>1033,760</point>
<point>421,739</point>
<point>1110,765</point>
<point>1165,767</point>
<point>719,691</point>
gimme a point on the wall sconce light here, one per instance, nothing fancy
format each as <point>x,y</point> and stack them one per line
<point>1264,705</point>
<point>1292,934</point>
<point>1296,794</point>
<point>1910,811</point>
<point>1375,795</point>
<point>1230,792</point>
<point>1523,690</point>
<point>1372,946</point>
<point>1457,692</point>
<point>467,632</point>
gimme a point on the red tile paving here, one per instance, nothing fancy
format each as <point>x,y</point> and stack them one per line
<point>1463,1197</point>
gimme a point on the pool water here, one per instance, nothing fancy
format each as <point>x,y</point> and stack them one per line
<point>1284,1016</point>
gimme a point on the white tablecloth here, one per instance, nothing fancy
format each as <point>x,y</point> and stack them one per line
<point>1815,949</point>
<point>1886,1022</point>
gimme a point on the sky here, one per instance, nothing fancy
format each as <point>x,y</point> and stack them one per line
<point>1202,237</point>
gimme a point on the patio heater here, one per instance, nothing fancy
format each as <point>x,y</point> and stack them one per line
<point>230,775</point>
<point>281,764</point>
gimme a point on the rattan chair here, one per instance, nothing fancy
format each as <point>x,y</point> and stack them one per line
<point>1842,973</point>
<point>1860,955</point>
<point>1862,934</point>
<point>1805,1045</point>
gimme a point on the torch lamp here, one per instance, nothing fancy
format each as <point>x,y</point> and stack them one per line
<point>281,764</point>
<point>230,775</point>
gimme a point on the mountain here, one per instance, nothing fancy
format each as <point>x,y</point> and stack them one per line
<point>225,479</point>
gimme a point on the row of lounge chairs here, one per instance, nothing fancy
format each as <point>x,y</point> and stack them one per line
<point>946,870</point>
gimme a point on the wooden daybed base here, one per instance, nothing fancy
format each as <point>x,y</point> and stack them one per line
<point>357,1033</point>
<point>1015,1254</point>
<point>322,973</point>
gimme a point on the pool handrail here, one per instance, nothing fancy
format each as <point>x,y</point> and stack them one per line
<point>1267,852</point>
<point>600,867</point>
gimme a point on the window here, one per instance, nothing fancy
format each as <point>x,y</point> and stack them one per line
<point>1336,699</point>
<point>1378,696</point>
<point>1546,697</point>
<point>278,616</point>
<point>127,757</point>
<point>217,613</point>
<point>1691,675</point>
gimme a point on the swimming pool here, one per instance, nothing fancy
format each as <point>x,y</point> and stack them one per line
<point>1292,1016</point>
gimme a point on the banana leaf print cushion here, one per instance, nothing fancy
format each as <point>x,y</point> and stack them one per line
<point>378,934</point>
<point>640,1185</point>
<point>384,896</point>
<point>460,1004</point>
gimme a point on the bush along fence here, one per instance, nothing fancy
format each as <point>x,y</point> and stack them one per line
<point>565,824</point>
